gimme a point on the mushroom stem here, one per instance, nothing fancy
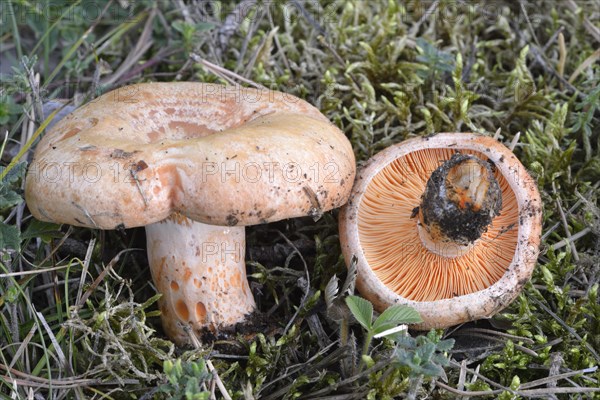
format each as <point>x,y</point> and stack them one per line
<point>200,271</point>
<point>461,198</point>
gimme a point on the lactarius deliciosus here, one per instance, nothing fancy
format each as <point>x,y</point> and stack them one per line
<point>448,224</point>
<point>194,163</point>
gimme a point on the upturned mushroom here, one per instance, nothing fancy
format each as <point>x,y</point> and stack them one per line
<point>194,163</point>
<point>448,224</point>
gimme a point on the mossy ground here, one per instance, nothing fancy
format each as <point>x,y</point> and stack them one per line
<point>79,323</point>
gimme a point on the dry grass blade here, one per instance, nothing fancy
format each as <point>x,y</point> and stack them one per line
<point>218,380</point>
<point>86,266</point>
<point>555,378</point>
<point>224,72</point>
<point>23,346</point>
<point>35,272</point>
<point>144,43</point>
<point>585,64</point>
<point>525,393</point>
<point>101,276</point>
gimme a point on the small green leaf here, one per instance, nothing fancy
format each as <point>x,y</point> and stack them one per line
<point>394,316</point>
<point>361,309</point>
<point>515,383</point>
<point>13,174</point>
<point>9,237</point>
<point>44,230</point>
<point>12,294</point>
<point>368,360</point>
<point>9,198</point>
<point>445,345</point>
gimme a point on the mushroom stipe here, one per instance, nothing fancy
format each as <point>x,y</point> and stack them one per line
<point>469,268</point>
<point>194,163</point>
<point>460,200</point>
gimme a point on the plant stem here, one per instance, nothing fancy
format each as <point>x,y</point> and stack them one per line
<point>344,332</point>
<point>415,385</point>
<point>365,350</point>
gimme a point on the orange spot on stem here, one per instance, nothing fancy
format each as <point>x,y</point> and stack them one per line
<point>182,310</point>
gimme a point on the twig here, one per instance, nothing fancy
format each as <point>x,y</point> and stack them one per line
<point>574,237</point>
<point>462,377</point>
<point>467,393</point>
<point>220,385</point>
<point>34,272</point>
<point>224,71</point>
<point>483,378</point>
<point>65,383</point>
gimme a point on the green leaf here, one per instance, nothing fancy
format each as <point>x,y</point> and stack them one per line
<point>44,230</point>
<point>9,198</point>
<point>9,237</point>
<point>445,345</point>
<point>14,174</point>
<point>361,309</point>
<point>394,316</point>
<point>431,369</point>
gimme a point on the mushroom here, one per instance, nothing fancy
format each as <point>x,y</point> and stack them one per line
<point>448,224</point>
<point>194,163</point>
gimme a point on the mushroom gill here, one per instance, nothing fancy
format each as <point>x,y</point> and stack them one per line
<point>394,248</point>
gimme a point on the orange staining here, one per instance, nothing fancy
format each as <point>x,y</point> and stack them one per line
<point>395,251</point>
<point>70,133</point>
<point>200,312</point>
<point>188,130</point>
<point>182,310</point>
<point>179,219</point>
<point>187,273</point>
<point>153,136</point>
<point>467,184</point>
<point>236,279</point>
<point>197,283</point>
<point>161,266</point>
<point>174,286</point>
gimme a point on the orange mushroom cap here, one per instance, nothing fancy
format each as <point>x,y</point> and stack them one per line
<point>400,262</point>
